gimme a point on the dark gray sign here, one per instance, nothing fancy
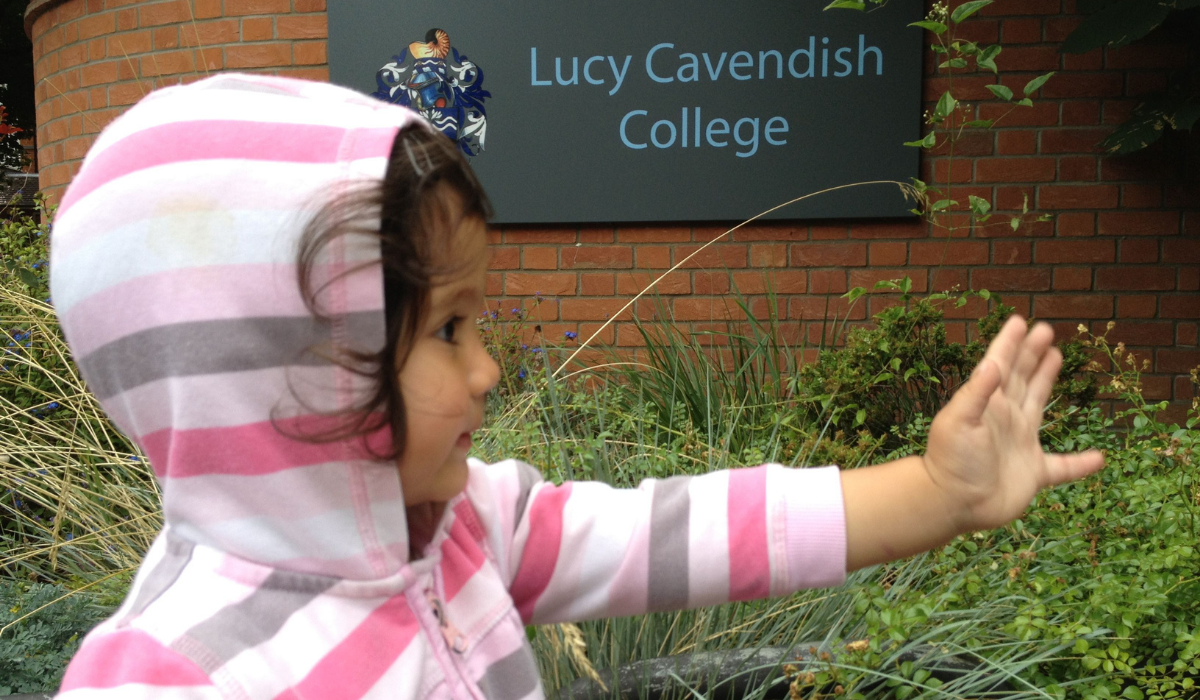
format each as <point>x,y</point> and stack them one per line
<point>652,111</point>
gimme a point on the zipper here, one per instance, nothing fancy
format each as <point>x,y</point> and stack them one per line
<point>455,641</point>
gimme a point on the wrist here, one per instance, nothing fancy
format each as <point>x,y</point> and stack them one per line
<point>954,506</point>
<point>895,510</point>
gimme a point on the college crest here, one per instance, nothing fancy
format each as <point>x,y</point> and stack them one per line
<point>432,78</point>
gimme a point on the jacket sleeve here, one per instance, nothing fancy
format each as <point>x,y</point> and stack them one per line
<point>131,665</point>
<point>585,550</point>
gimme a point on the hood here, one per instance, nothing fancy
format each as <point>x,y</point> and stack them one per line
<point>173,270</point>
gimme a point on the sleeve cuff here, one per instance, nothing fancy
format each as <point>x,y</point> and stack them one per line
<point>816,527</point>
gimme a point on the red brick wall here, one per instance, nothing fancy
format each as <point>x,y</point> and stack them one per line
<point>1124,243</point>
<point>94,58</point>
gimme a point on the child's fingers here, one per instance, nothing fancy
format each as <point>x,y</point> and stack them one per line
<point>1061,468</point>
<point>978,390</point>
<point>1030,355</point>
<point>1041,384</point>
<point>1003,348</point>
<point>1032,348</point>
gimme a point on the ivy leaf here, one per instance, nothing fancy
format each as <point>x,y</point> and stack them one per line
<point>1187,115</point>
<point>927,142</point>
<point>845,5</point>
<point>967,9</point>
<point>1116,24</point>
<point>987,57</point>
<point>979,205</point>
<point>935,27</point>
<point>1015,223</point>
<point>943,204</point>
<point>954,63</point>
<point>1151,119</point>
<point>1026,102</point>
<point>1001,91</point>
<point>1033,85</point>
<point>28,277</point>
<point>945,105</point>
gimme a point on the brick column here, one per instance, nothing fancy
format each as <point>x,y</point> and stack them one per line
<point>94,58</point>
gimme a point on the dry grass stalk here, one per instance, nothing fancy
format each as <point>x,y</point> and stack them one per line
<point>576,650</point>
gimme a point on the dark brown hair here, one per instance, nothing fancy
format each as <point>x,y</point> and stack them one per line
<point>427,190</point>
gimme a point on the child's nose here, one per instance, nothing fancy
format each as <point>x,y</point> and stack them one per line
<point>486,373</point>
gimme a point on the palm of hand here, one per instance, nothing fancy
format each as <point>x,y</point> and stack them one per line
<point>983,449</point>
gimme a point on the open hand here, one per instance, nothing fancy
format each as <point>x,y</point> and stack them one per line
<point>983,451</point>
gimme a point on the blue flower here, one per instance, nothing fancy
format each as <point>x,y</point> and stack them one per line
<point>70,535</point>
<point>18,502</point>
<point>495,314</point>
<point>524,346</point>
<point>571,335</point>
<point>53,406</point>
<point>516,311</point>
<point>536,350</point>
<point>521,374</point>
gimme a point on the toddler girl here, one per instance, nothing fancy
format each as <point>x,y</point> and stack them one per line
<point>272,287</point>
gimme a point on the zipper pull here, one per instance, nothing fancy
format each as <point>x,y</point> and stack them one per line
<point>454,639</point>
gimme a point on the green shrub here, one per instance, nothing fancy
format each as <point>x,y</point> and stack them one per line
<point>24,248</point>
<point>24,251</point>
<point>892,378</point>
<point>41,627</point>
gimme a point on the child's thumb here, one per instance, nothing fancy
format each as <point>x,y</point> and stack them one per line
<point>979,389</point>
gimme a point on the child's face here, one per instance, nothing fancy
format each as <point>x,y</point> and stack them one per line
<point>446,376</point>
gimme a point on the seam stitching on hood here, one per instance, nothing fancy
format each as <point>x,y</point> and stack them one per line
<point>363,515</point>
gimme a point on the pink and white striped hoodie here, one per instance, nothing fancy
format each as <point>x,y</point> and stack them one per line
<point>283,568</point>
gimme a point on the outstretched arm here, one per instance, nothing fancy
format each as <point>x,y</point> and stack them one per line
<point>583,550</point>
<point>983,465</point>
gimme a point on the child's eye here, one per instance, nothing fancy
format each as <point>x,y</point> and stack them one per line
<point>447,330</point>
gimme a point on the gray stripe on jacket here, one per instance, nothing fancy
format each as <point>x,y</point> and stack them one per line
<point>668,566</point>
<point>251,621</point>
<point>212,347</point>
